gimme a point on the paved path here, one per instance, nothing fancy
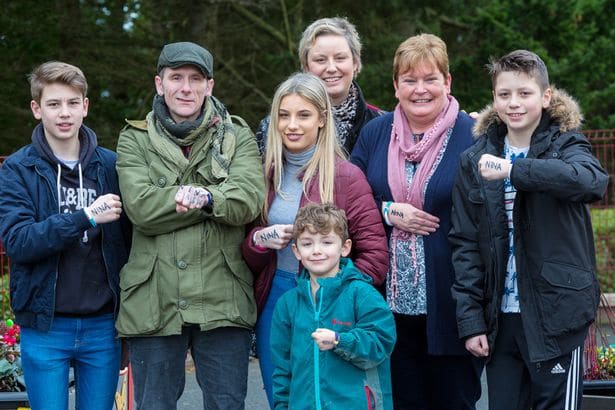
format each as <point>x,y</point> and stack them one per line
<point>256,398</point>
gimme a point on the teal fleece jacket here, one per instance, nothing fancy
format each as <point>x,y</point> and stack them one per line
<point>353,375</point>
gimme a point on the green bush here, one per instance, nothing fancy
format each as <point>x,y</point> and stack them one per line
<point>603,221</point>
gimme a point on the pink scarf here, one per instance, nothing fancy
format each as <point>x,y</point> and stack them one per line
<point>402,148</point>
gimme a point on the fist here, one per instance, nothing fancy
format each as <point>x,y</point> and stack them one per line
<point>493,168</point>
<point>106,208</point>
<point>189,197</point>
<point>274,237</point>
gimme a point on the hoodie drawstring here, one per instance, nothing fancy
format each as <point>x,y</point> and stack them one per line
<point>81,199</point>
<point>80,196</point>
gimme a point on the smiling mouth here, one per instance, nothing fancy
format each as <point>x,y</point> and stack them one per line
<point>331,79</point>
<point>515,114</point>
<point>422,101</point>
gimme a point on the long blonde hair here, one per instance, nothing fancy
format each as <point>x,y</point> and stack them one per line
<point>328,150</point>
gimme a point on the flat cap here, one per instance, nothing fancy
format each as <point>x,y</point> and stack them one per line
<point>183,53</point>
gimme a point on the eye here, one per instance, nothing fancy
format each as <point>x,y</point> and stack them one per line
<point>52,104</point>
<point>502,94</point>
<point>409,81</point>
<point>282,115</point>
<point>75,103</point>
<point>319,60</point>
<point>305,115</point>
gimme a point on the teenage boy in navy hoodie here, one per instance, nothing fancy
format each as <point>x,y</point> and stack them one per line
<point>60,225</point>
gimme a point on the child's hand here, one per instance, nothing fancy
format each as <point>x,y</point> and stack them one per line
<point>478,346</point>
<point>493,168</point>
<point>106,208</point>
<point>324,338</point>
<point>189,197</point>
<point>274,237</point>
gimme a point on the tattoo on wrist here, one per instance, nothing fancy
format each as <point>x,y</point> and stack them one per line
<point>397,213</point>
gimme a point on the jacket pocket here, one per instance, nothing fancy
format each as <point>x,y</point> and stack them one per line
<point>139,296</point>
<point>242,282</point>
<point>567,296</point>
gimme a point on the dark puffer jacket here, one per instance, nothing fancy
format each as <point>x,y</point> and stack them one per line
<point>554,244</point>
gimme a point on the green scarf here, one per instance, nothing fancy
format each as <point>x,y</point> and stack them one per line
<point>214,126</point>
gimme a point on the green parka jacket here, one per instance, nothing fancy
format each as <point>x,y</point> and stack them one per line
<point>186,268</point>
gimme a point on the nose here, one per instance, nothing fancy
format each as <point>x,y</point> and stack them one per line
<point>420,86</point>
<point>514,100</point>
<point>64,111</point>
<point>331,66</point>
<point>292,122</point>
<point>186,86</point>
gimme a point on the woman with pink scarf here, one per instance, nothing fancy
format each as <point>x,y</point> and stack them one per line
<point>410,158</point>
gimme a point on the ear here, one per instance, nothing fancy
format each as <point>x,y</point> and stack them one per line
<point>346,247</point>
<point>296,252</point>
<point>158,83</point>
<point>36,109</point>
<point>86,104</point>
<point>321,123</point>
<point>210,87</point>
<point>396,89</point>
<point>448,82</point>
<point>546,98</point>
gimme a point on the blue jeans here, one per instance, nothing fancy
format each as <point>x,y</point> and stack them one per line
<point>90,345</point>
<point>221,361</point>
<point>282,282</point>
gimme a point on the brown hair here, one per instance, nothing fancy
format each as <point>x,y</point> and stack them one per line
<point>56,72</point>
<point>422,48</point>
<point>322,219</point>
<point>522,61</point>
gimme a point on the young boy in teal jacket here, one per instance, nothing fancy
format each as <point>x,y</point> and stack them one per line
<point>332,336</point>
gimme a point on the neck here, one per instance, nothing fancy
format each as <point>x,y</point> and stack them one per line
<point>68,149</point>
<point>519,141</point>
<point>314,286</point>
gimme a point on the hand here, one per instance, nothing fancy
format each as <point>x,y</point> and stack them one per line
<point>274,237</point>
<point>106,208</point>
<point>478,346</point>
<point>410,219</point>
<point>493,168</point>
<point>324,338</point>
<point>190,197</point>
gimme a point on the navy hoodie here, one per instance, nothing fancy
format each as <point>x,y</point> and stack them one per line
<point>82,288</point>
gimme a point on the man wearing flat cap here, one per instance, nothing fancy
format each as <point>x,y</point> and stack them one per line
<point>191,179</point>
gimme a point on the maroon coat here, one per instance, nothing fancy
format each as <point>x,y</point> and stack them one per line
<point>353,194</point>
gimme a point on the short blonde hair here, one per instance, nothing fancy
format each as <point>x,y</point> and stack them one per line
<point>419,49</point>
<point>328,149</point>
<point>56,72</point>
<point>338,26</point>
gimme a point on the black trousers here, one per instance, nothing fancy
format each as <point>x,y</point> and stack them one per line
<point>424,381</point>
<point>516,383</point>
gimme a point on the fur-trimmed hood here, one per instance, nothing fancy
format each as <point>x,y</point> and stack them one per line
<point>563,109</point>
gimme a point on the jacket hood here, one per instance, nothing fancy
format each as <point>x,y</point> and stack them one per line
<point>87,139</point>
<point>563,109</point>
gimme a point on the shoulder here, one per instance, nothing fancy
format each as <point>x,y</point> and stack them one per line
<point>377,125</point>
<point>23,157</point>
<point>136,124</point>
<point>106,154</point>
